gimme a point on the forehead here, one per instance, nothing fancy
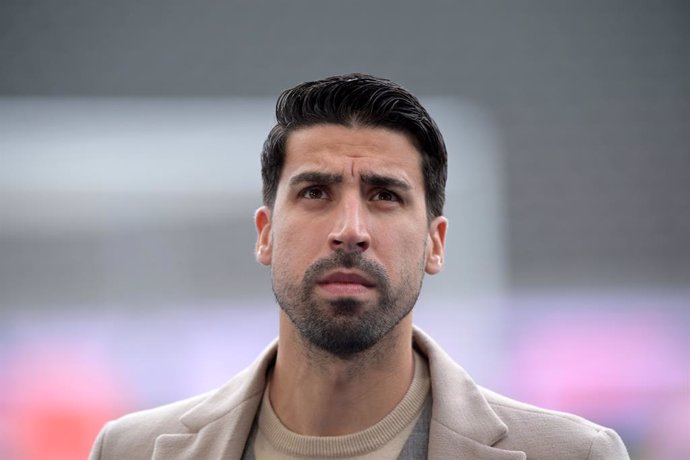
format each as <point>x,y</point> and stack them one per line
<point>348,149</point>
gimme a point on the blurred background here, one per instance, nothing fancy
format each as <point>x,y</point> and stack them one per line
<point>129,173</point>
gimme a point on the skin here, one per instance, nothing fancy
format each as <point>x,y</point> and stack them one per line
<point>326,203</point>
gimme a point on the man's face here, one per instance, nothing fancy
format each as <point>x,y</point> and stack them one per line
<point>348,239</point>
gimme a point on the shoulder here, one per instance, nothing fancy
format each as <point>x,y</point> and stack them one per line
<point>133,435</point>
<point>472,412</point>
<point>543,433</point>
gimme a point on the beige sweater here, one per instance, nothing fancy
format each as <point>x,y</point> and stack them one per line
<point>382,441</point>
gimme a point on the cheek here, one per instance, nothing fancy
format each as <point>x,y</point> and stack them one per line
<point>403,245</point>
<point>292,247</point>
<point>288,239</point>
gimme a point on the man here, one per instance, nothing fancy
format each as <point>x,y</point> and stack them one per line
<point>354,177</point>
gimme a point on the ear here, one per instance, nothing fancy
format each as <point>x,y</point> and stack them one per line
<point>436,245</point>
<point>262,220</point>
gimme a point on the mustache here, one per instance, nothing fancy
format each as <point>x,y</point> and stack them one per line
<point>342,259</point>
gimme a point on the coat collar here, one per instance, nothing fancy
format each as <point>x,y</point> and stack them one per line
<point>220,424</point>
<point>462,422</point>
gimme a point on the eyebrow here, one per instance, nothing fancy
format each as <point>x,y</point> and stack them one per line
<point>377,180</point>
<point>314,177</point>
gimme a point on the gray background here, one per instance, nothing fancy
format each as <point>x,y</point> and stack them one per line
<point>129,172</point>
<point>590,102</point>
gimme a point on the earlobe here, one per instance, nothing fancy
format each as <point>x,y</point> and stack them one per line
<point>436,246</point>
<point>262,220</point>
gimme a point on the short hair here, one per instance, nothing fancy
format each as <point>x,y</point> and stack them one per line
<point>357,100</point>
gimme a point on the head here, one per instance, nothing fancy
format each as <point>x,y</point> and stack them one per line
<point>354,175</point>
<point>357,100</point>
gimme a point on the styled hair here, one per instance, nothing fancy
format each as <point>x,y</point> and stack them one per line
<point>357,100</point>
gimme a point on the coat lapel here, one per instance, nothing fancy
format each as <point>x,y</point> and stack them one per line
<point>219,425</point>
<point>463,425</point>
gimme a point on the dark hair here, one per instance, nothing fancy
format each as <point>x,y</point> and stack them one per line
<point>356,100</point>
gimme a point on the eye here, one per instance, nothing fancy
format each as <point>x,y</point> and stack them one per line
<point>385,195</point>
<point>313,193</point>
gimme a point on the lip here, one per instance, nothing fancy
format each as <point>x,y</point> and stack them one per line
<point>341,277</point>
<point>346,284</point>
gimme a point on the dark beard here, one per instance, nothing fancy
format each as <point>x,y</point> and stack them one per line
<point>343,327</point>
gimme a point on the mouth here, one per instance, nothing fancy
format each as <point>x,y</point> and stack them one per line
<point>345,283</point>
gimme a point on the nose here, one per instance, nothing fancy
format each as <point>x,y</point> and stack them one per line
<point>350,232</point>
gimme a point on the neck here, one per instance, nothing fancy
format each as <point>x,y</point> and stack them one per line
<point>317,394</point>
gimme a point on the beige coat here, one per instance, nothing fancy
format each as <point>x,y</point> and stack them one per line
<point>467,422</point>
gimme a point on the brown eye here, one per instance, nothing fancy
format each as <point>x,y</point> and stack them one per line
<point>385,195</point>
<point>313,193</point>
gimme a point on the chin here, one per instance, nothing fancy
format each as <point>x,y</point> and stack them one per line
<point>346,306</point>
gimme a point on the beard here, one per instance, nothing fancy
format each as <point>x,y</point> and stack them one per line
<point>344,326</point>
